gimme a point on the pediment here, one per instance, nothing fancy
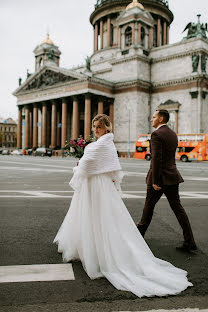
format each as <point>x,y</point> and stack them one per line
<point>169,105</point>
<point>135,13</point>
<point>47,78</point>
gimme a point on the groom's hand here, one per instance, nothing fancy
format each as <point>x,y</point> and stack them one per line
<point>156,187</point>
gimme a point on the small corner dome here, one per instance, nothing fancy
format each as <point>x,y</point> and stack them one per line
<point>47,40</point>
<point>134,4</point>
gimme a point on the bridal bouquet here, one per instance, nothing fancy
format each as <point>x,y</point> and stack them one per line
<point>75,148</point>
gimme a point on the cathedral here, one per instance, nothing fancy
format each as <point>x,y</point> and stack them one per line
<point>133,71</point>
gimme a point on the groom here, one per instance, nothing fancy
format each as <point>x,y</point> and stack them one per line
<point>164,178</point>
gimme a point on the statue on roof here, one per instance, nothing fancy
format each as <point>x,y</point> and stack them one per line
<point>88,61</point>
<point>51,54</point>
<point>196,29</point>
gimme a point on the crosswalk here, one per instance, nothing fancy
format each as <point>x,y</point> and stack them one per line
<point>36,273</point>
<point>51,194</point>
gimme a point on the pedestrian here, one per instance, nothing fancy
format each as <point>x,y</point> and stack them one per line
<point>164,178</point>
<point>99,231</point>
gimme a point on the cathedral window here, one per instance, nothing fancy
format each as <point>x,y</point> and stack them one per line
<point>128,36</point>
<point>155,36</point>
<point>112,35</point>
<point>142,36</point>
<point>40,62</point>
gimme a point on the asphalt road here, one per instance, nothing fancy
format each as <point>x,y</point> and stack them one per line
<point>34,198</point>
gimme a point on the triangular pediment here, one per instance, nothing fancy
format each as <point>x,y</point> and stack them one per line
<point>137,14</point>
<point>47,77</point>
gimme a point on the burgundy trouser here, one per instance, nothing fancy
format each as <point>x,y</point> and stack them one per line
<point>172,194</point>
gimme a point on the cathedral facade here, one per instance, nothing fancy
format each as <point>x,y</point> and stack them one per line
<point>133,70</point>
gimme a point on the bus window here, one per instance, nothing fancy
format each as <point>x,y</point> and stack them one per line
<point>141,149</point>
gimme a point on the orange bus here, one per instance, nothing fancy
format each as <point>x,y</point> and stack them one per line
<point>190,147</point>
<point>143,147</point>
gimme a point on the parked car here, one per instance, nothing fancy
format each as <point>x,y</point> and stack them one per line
<point>16,152</point>
<point>5,152</point>
<point>43,151</point>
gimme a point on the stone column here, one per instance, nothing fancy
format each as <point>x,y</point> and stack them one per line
<point>35,126</point>
<point>27,126</point>
<point>19,128</point>
<point>150,43</point>
<point>96,38</point>
<point>31,129</point>
<point>158,32</point>
<point>123,44</point>
<point>101,34</point>
<point>119,37</point>
<point>167,35</point>
<point>53,125</point>
<point>164,33</point>
<point>176,121</point>
<point>44,125</point>
<point>136,34</point>
<point>48,122</point>
<point>64,123</point>
<point>75,119</point>
<point>139,33</point>
<point>100,106</point>
<point>109,31</point>
<point>58,128</point>
<point>133,33</point>
<point>87,120</point>
<point>111,113</point>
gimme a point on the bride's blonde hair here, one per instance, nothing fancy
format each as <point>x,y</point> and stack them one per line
<point>104,120</point>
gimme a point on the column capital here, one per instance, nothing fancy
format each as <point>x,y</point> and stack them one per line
<point>43,103</point>
<point>88,96</point>
<point>53,101</point>
<point>101,98</point>
<point>75,97</point>
<point>64,99</point>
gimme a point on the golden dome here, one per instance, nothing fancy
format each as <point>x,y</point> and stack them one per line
<point>48,40</point>
<point>134,4</point>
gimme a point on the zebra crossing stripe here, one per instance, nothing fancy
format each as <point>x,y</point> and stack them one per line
<point>36,273</point>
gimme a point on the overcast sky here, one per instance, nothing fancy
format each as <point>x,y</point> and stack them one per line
<point>24,24</point>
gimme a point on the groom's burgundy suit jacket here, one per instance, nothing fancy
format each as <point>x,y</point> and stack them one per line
<point>163,169</point>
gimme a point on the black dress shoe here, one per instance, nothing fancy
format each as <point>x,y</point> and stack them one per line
<point>187,247</point>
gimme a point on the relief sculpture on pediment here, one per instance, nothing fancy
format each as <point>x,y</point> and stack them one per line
<point>48,78</point>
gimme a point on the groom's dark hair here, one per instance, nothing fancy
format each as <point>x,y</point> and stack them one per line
<point>164,113</point>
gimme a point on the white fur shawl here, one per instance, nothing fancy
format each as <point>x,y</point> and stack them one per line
<point>99,157</point>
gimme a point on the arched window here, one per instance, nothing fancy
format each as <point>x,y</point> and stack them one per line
<point>142,36</point>
<point>128,36</point>
<point>112,35</point>
<point>40,62</point>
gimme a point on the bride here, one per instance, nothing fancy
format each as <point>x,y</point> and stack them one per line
<point>99,231</point>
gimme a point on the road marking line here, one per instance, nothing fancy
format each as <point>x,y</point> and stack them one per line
<point>35,169</point>
<point>36,273</point>
<point>124,194</point>
<point>36,164</point>
<point>174,310</point>
<point>39,194</point>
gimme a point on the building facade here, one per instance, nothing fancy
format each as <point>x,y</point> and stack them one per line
<point>8,133</point>
<point>132,71</point>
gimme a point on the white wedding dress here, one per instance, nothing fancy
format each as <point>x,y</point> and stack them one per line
<point>99,231</point>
